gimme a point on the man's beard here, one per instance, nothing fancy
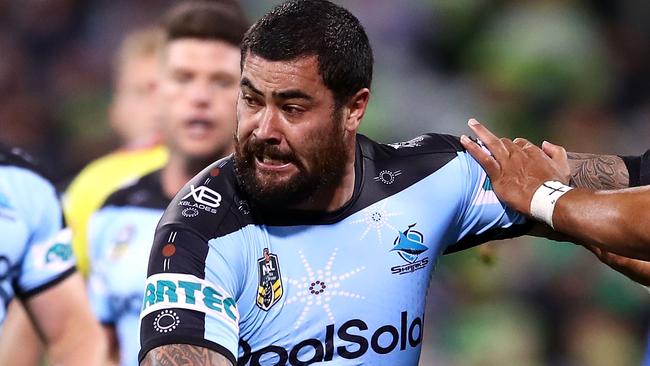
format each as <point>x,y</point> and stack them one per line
<point>327,158</point>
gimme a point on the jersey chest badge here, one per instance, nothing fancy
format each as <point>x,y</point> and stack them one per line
<point>269,288</point>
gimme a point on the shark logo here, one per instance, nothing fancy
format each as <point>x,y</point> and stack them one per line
<point>409,244</point>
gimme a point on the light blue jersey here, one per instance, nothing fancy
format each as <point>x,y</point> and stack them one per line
<point>36,252</point>
<point>348,287</point>
<point>120,237</point>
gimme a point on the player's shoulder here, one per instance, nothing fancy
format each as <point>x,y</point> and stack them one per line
<point>414,159</point>
<point>25,166</point>
<point>211,204</point>
<point>430,143</point>
<point>142,192</point>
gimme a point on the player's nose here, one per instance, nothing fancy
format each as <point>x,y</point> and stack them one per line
<point>269,126</point>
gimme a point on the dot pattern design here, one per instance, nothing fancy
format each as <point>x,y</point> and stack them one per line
<point>376,219</point>
<point>166,321</point>
<point>319,287</point>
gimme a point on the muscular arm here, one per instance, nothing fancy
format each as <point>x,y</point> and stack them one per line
<point>615,221</point>
<point>597,171</point>
<point>184,354</point>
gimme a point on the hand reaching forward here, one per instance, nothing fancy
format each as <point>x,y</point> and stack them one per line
<point>516,168</point>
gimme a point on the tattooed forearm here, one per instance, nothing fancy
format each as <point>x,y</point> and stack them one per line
<point>183,354</point>
<point>598,171</point>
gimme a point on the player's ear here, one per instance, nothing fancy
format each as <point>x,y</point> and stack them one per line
<point>355,109</point>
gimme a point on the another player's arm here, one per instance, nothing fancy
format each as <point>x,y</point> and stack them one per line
<point>598,171</point>
<point>63,315</point>
<point>612,221</point>
<point>184,354</point>
<point>24,344</point>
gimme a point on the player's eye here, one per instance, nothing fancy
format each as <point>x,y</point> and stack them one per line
<point>249,100</point>
<point>292,109</point>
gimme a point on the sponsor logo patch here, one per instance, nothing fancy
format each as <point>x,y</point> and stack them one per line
<point>269,289</point>
<point>183,291</point>
<point>205,199</point>
<point>409,244</point>
<point>56,253</point>
<point>348,341</point>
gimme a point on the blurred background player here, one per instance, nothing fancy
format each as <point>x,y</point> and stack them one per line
<point>198,91</point>
<point>38,267</point>
<point>134,116</point>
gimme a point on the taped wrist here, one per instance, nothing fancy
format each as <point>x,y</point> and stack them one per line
<point>544,199</point>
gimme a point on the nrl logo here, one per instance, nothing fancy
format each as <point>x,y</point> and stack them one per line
<point>269,290</point>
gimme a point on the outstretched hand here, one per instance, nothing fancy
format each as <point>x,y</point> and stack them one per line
<point>516,168</point>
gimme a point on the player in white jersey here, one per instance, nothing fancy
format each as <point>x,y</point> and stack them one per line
<point>37,267</point>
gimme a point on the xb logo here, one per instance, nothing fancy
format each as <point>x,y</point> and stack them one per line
<point>205,196</point>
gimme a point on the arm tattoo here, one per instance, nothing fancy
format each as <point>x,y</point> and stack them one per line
<point>183,354</point>
<point>598,171</point>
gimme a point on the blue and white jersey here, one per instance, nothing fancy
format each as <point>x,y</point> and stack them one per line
<point>120,237</point>
<point>294,288</point>
<point>36,252</point>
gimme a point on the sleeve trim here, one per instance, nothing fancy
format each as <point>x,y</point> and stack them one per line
<point>490,235</point>
<point>633,165</point>
<point>24,295</point>
<point>200,342</point>
<point>638,168</point>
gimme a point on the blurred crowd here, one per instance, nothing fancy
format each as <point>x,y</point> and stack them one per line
<point>574,72</point>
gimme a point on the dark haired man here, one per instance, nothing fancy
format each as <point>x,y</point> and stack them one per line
<point>312,243</point>
<point>198,89</point>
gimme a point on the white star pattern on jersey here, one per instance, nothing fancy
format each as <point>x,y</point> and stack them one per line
<point>376,219</point>
<point>319,287</point>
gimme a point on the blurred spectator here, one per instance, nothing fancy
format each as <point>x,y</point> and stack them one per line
<point>134,116</point>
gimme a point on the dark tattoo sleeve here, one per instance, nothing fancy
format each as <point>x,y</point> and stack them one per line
<point>598,171</point>
<point>184,354</point>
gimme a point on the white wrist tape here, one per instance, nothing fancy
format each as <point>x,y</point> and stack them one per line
<point>544,199</point>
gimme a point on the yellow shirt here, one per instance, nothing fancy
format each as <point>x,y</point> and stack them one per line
<point>96,182</point>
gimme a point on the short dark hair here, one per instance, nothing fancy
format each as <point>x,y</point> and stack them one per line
<point>219,20</point>
<point>316,27</point>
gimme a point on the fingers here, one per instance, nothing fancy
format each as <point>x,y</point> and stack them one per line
<point>493,143</point>
<point>488,163</point>
<point>559,156</point>
<point>555,152</point>
<point>522,142</point>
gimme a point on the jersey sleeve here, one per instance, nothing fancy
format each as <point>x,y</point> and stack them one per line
<point>98,290</point>
<point>638,168</point>
<point>483,217</point>
<point>48,256</point>
<point>190,295</point>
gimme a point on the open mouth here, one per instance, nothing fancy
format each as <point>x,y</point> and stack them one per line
<point>199,127</point>
<point>271,162</point>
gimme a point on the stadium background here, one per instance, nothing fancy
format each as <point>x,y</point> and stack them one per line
<point>573,72</point>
